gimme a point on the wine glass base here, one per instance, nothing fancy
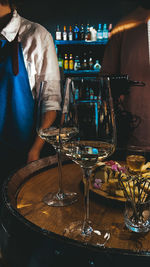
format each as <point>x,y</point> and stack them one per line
<point>95,235</point>
<point>60,199</point>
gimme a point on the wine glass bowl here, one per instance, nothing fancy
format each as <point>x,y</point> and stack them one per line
<point>49,117</point>
<point>90,112</point>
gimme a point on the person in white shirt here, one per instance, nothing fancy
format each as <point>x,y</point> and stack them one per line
<point>128,52</point>
<point>27,56</point>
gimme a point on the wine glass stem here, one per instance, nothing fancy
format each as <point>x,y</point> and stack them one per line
<point>86,223</point>
<point>60,191</point>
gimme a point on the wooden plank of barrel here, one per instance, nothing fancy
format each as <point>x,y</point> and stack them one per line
<point>24,192</point>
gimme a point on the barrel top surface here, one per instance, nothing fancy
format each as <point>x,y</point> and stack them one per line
<point>28,186</point>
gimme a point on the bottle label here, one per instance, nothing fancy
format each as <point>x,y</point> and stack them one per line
<point>70,36</point>
<point>105,34</point>
<point>91,65</point>
<point>88,36</point>
<point>65,36</point>
<point>60,63</point>
<point>76,36</point>
<point>58,35</point>
<point>84,65</point>
<point>71,65</point>
<point>76,66</point>
<point>99,35</point>
<point>97,66</point>
<point>66,65</point>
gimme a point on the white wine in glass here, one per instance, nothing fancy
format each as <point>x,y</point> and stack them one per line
<point>49,118</point>
<point>94,141</point>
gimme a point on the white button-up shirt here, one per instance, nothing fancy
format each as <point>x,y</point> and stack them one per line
<point>39,53</point>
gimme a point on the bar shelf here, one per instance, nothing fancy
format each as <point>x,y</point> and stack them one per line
<point>81,72</point>
<point>61,42</point>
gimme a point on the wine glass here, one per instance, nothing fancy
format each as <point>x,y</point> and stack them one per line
<point>49,116</point>
<point>135,160</point>
<point>90,120</point>
<point>136,190</point>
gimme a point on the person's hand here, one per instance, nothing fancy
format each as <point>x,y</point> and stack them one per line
<point>33,155</point>
<point>34,152</point>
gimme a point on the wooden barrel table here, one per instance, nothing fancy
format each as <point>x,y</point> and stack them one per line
<point>34,231</point>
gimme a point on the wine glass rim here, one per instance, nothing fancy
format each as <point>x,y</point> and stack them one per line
<point>135,148</point>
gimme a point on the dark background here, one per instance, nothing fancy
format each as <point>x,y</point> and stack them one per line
<point>65,12</point>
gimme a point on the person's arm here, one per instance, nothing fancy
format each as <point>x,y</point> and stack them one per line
<point>47,70</point>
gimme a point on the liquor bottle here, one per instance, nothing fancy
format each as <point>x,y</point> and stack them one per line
<point>87,92</point>
<point>77,65</point>
<point>65,34</point>
<point>58,33</point>
<point>84,62</point>
<point>60,61</point>
<point>66,62</point>
<point>97,65</point>
<point>70,34</point>
<point>105,32</point>
<point>71,62</point>
<point>90,61</point>
<point>99,32</point>
<point>91,94</point>
<point>82,33</point>
<point>76,32</point>
<point>87,33</point>
<point>93,34</point>
<point>109,30</point>
<point>77,93</point>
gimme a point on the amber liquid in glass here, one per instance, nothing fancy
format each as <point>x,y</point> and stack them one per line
<point>135,162</point>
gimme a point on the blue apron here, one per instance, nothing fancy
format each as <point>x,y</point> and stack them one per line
<point>16,102</point>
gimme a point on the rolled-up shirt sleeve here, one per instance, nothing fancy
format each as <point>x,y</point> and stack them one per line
<point>50,95</point>
<point>48,74</point>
